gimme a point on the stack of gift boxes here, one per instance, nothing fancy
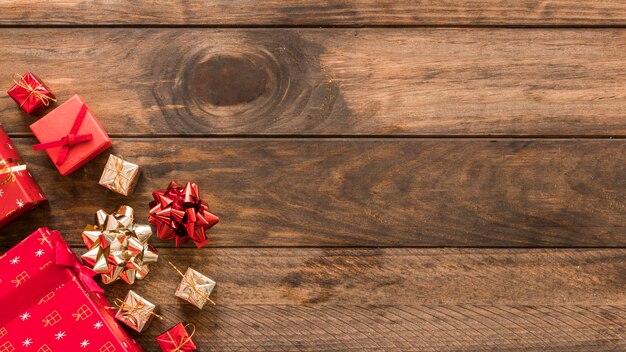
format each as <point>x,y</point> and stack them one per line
<point>49,300</point>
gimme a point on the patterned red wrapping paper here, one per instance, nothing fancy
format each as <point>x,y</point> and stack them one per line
<point>30,93</point>
<point>66,319</point>
<point>26,271</point>
<point>40,298</point>
<point>19,192</point>
<point>73,150</point>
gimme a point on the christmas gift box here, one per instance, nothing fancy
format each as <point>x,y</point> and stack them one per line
<point>135,311</point>
<point>194,287</point>
<point>119,175</point>
<point>66,318</point>
<point>30,93</point>
<point>29,266</point>
<point>177,339</point>
<point>19,192</point>
<point>42,275</point>
<point>71,135</point>
<point>178,212</point>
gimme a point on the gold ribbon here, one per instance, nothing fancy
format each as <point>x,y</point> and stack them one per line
<point>183,342</point>
<point>119,167</point>
<point>32,91</point>
<point>130,310</point>
<point>10,169</point>
<point>192,283</point>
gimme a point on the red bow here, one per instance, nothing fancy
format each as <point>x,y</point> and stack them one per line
<point>66,258</point>
<point>179,213</point>
<point>70,140</point>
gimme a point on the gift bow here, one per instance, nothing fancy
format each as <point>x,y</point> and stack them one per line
<point>10,170</point>
<point>21,82</point>
<point>68,259</point>
<point>179,212</point>
<point>117,247</point>
<point>70,140</point>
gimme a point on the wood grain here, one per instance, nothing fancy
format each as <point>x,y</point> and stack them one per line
<point>400,328</point>
<point>415,82</point>
<point>392,276</point>
<point>364,192</point>
<point>313,12</point>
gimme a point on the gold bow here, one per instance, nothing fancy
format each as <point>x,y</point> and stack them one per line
<point>32,90</point>
<point>192,284</point>
<point>9,170</point>
<point>117,247</point>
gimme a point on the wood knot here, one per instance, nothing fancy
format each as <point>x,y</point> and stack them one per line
<point>245,82</point>
<point>228,80</point>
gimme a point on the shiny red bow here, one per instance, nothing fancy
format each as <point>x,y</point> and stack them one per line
<point>178,212</point>
<point>85,274</point>
<point>70,140</point>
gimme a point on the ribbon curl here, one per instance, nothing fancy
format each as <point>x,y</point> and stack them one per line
<point>117,247</point>
<point>179,213</point>
<point>70,140</point>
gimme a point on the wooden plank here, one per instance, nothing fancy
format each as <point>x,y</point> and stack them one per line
<point>313,12</point>
<point>396,299</point>
<point>392,276</point>
<point>400,328</point>
<point>329,82</point>
<point>364,192</point>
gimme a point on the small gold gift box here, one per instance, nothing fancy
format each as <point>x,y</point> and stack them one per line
<point>119,175</point>
<point>135,311</point>
<point>195,288</point>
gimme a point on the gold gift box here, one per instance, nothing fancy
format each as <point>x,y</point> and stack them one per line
<point>135,311</point>
<point>195,288</point>
<point>119,175</point>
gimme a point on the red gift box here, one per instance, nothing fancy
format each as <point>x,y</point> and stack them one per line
<point>27,268</point>
<point>49,302</point>
<point>67,319</point>
<point>71,135</point>
<point>176,339</point>
<point>30,93</point>
<point>19,192</point>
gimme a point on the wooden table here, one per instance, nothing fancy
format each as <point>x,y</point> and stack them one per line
<point>390,175</point>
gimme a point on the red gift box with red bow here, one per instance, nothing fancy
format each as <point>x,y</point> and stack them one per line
<point>49,301</point>
<point>71,135</point>
<point>19,192</point>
